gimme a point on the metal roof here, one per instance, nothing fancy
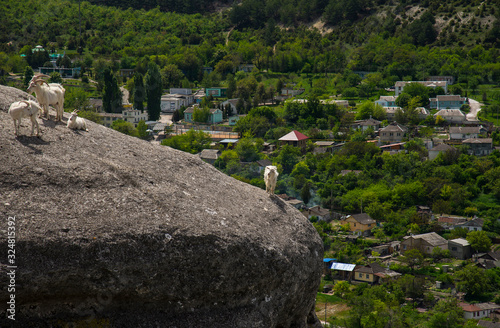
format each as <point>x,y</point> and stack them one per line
<point>342,266</point>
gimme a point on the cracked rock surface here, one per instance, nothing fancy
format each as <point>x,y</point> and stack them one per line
<point>116,232</point>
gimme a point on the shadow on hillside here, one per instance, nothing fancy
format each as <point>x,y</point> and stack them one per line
<point>30,141</point>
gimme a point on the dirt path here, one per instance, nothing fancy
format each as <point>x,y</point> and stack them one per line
<point>475,107</point>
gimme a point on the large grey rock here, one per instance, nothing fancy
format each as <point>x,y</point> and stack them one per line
<point>114,231</point>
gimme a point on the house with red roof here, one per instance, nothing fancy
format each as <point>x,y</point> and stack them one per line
<point>478,310</point>
<point>294,138</point>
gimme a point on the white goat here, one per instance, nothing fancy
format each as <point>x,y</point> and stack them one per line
<point>270,178</point>
<point>25,108</point>
<point>76,123</point>
<point>48,94</point>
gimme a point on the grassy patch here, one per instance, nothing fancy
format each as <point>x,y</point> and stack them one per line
<point>322,298</point>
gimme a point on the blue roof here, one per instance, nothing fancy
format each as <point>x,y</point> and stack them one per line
<point>327,259</point>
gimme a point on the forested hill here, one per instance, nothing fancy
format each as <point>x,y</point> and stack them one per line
<point>179,6</point>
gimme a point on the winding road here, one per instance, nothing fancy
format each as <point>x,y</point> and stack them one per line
<point>475,107</point>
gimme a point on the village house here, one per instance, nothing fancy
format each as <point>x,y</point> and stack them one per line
<point>373,273</point>
<point>263,163</point>
<point>294,138</point>
<point>342,271</point>
<point>448,222</point>
<point>364,125</point>
<point>172,102</point>
<point>321,147</point>
<point>475,224</point>
<point>214,117</point>
<point>478,310</point>
<point>109,118</point>
<point>231,103</point>
<point>360,224</point>
<point>321,213</point>
<point>424,242</point>
<point>460,248</point>
<point>465,132</point>
<point>479,146</point>
<point>387,101</point>
<point>487,260</point>
<point>399,86</point>
<point>134,116</point>
<point>392,133</point>
<point>441,148</point>
<point>446,78</point>
<point>210,155</point>
<point>447,102</point>
<point>390,113</point>
<point>216,92</point>
<point>290,92</point>
<point>451,115</point>
<point>422,113</point>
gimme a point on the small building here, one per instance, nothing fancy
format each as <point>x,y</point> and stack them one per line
<point>188,114</point>
<point>465,132</point>
<point>232,120</point>
<point>297,203</point>
<point>247,68</point>
<point>134,116</point>
<point>172,102</point>
<point>321,147</point>
<point>373,273</point>
<point>399,86</point>
<point>344,271</point>
<point>228,143</point>
<point>364,125</point>
<point>424,242</point>
<point>109,118</point>
<point>346,172</point>
<point>460,249</point>
<point>126,72</point>
<point>446,78</point>
<point>422,113</point>
<point>96,104</point>
<point>181,91</point>
<point>215,116</point>
<point>231,103</point>
<point>390,113</point>
<point>321,213</point>
<point>451,115</point>
<point>294,138</point>
<point>475,224</point>
<point>216,92</point>
<point>360,224</point>
<point>441,148</point>
<point>488,260</point>
<point>387,101</point>
<point>263,163</point>
<point>447,102</point>
<point>210,155</point>
<point>478,310</point>
<point>479,146</point>
<point>392,133</point>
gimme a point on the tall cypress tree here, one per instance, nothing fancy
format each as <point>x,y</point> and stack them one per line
<point>112,96</point>
<point>153,91</point>
<point>139,92</point>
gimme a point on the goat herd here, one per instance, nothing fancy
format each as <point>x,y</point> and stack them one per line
<point>47,94</point>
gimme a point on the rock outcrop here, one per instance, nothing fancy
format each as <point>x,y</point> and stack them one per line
<point>117,232</point>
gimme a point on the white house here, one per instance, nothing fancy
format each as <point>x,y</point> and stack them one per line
<point>441,148</point>
<point>464,132</point>
<point>400,85</point>
<point>478,310</point>
<point>387,101</point>
<point>451,115</point>
<point>134,116</point>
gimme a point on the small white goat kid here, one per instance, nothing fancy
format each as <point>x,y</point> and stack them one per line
<point>76,123</point>
<point>25,108</point>
<point>270,178</point>
<point>48,94</point>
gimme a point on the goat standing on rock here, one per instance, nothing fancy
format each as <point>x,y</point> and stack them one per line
<point>25,108</point>
<point>48,94</point>
<point>270,178</point>
<point>76,123</point>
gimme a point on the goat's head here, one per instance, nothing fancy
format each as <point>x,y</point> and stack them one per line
<point>74,115</point>
<point>33,85</point>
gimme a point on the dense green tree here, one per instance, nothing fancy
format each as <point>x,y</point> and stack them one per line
<point>55,77</point>
<point>192,141</point>
<point>139,92</point>
<point>124,127</point>
<point>154,90</point>
<point>479,241</point>
<point>472,280</point>
<point>413,258</point>
<point>142,130</point>
<point>201,114</point>
<point>112,96</point>
<point>28,74</point>
<point>446,313</point>
<point>288,157</point>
